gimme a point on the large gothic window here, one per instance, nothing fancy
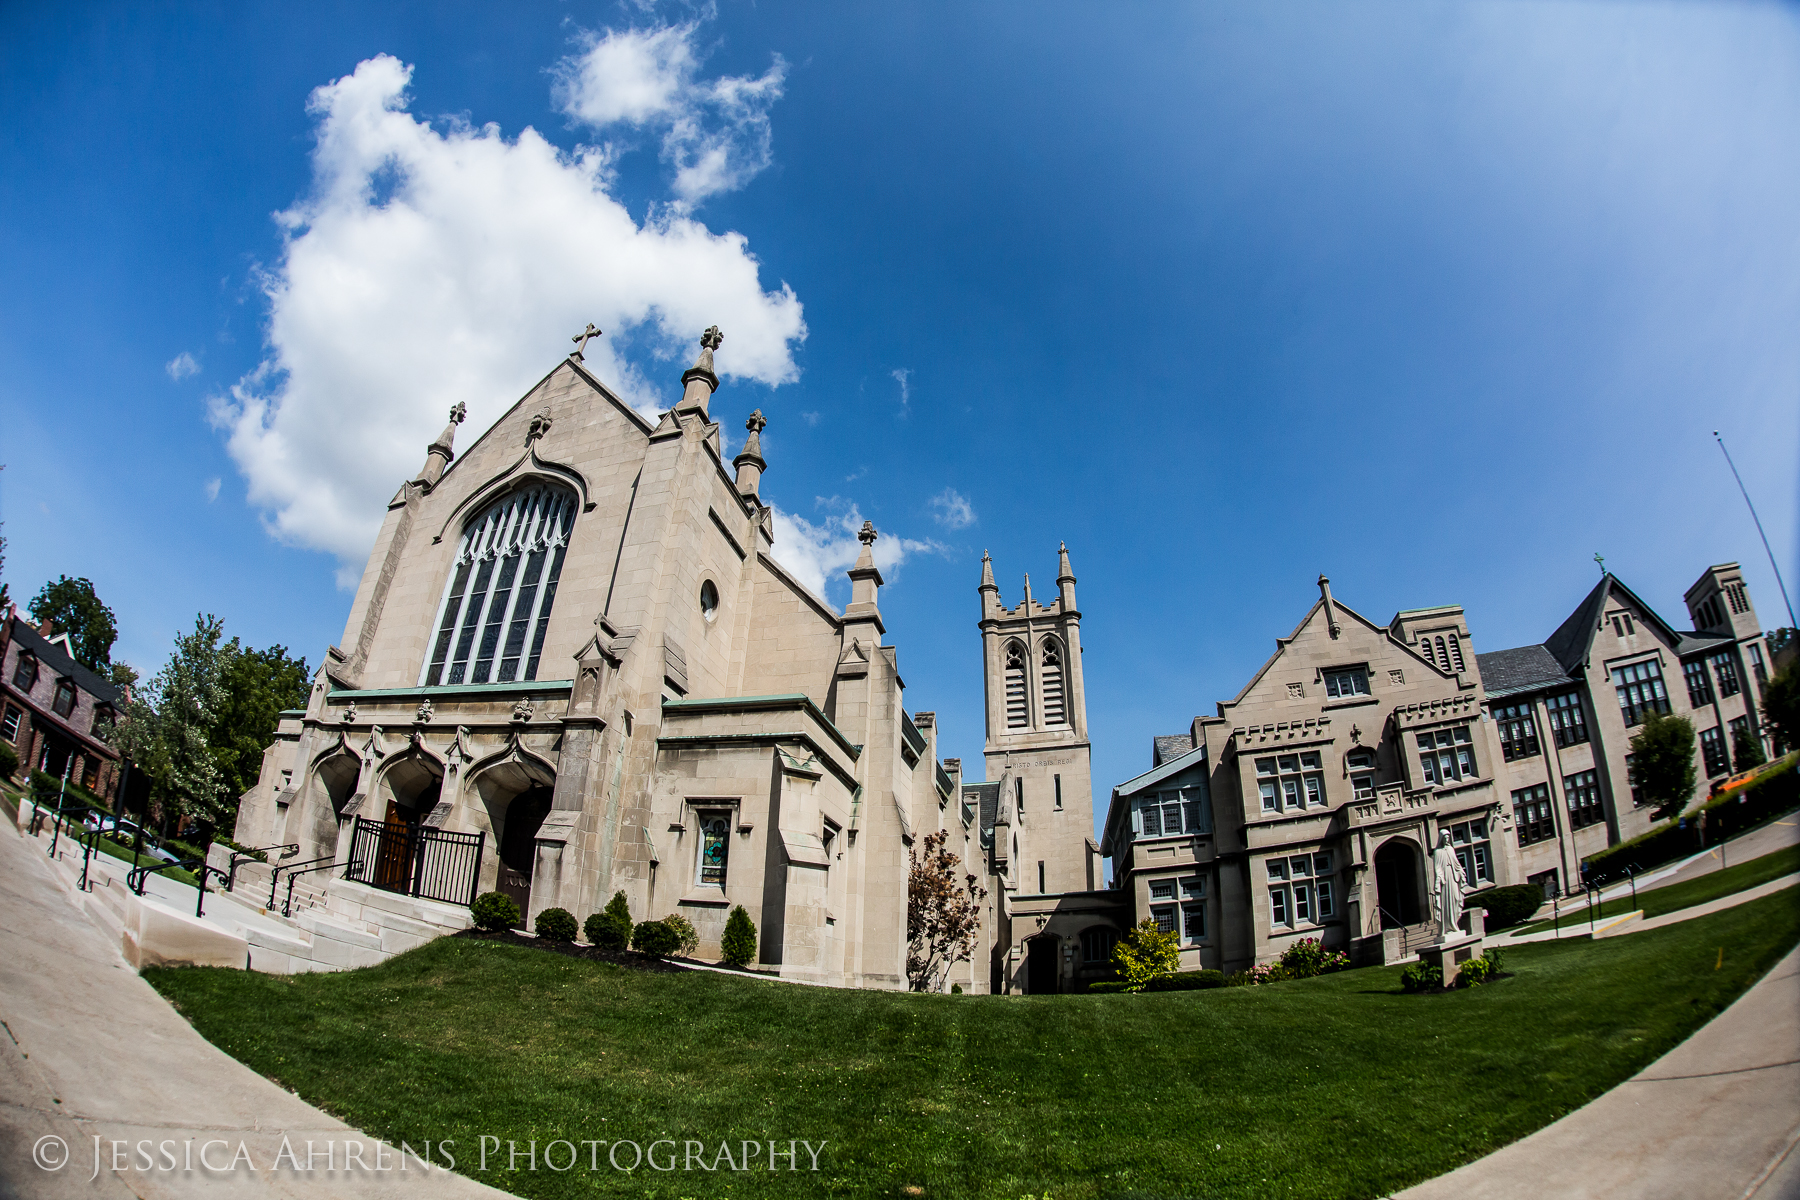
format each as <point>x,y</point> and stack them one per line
<point>1017,716</point>
<point>1053,683</point>
<point>496,608</point>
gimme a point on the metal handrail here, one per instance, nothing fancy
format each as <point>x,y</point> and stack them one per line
<point>239,857</point>
<point>137,877</point>
<point>275,872</point>
<point>287,905</point>
<point>1398,924</point>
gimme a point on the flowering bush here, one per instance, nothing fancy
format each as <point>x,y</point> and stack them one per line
<point>1308,957</point>
<point>1478,971</point>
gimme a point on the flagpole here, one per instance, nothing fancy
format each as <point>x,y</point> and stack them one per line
<point>1759,529</point>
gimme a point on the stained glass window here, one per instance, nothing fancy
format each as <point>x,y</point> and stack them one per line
<point>715,849</point>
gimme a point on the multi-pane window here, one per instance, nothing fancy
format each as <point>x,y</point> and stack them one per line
<point>25,672</point>
<point>1301,889</point>
<point>1178,906</point>
<point>1757,667</point>
<point>1017,711</point>
<point>1446,755</point>
<point>103,720</point>
<point>1641,691</point>
<point>1288,782</point>
<point>1470,840</point>
<point>62,703</point>
<point>496,609</point>
<point>1698,685</point>
<point>1162,814</point>
<point>1193,908</point>
<point>1097,942</point>
<point>1350,681</point>
<point>1582,790</point>
<point>1361,766</point>
<point>1531,814</point>
<point>9,725</point>
<point>714,847</point>
<point>1725,667</point>
<point>1053,683</point>
<point>1518,731</point>
<point>1567,719</point>
<point>1712,749</point>
<point>1622,626</point>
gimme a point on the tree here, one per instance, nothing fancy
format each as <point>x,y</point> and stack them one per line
<point>258,685</point>
<point>165,727</point>
<point>1662,762</point>
<point>943,914</point>
<point>1146,953</point>
<point>738,946</point>
<point>71,607</point>
<point>1781,706</point>
<point>1746,750</point>
<point>123,676</point>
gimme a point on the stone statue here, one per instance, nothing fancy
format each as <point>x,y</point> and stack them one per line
<point>1448,883</point>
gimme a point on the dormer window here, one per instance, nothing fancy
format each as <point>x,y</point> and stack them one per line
<point>103,720</point>
<point>1622,626</point>
<point>63,702</point>
<point>25,672</point>
<point>496,608</point>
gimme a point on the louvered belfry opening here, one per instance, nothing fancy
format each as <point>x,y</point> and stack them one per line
<point>1053,683</point>
<point>1017,713</point>
<point>496,608</point>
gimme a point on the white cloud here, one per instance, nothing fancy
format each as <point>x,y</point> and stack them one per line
<point>903,375</point>
<point>715,133</point>
<point>818,553</point>
<point>811,418</point>
<point>212,489</point>
<point>427,268</point>
<point>181,366</point>
<point>950,508</point>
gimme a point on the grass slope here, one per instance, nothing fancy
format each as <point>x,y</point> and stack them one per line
<point>1333,1087</point>
<point>1658,901</point>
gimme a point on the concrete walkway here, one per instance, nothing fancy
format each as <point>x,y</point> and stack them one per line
<point>89,1050</point>
<point>1718,1116</point>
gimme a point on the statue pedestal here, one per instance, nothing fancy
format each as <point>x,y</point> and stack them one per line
<point>1450,954</point>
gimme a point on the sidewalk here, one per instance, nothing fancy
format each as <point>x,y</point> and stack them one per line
<point>1717,1116</point>
<point>93,1051</point>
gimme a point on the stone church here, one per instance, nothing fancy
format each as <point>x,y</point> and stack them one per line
<point>573,667</point>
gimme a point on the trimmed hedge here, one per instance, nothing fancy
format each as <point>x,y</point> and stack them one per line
<point>556,925</point>
<point>494,911</point>
<point>1776,792</point>
<point>1187,981</point>
<point>655,939</point>
<point>1507,906</point>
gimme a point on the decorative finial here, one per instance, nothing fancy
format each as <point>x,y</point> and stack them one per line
<point>1602,563</point>
<point>867,535</point>
<point>712,338</point>
<point>581,340</point>
<point>757,423</point>
<point>522,711</point>
<point>458,412</point>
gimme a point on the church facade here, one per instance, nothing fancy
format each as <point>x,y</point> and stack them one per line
<point>1308,805</point>
<point>573,667</point>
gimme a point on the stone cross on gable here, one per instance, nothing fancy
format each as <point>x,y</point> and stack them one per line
<point>757,422</point>
<point>712,338</point>
<point>581,340</point>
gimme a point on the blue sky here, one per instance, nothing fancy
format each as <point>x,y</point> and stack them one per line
<point>1438,299</point>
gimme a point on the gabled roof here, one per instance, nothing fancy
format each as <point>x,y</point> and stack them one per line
<point>1169,746</point>
<point>1694,642</point>
<point>1521,669</point>
<point>987,799</point>
<point>1155,775</point>
<point>1574,638</point>
<point>52,655</point>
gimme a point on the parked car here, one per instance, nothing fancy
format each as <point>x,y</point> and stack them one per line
<point>125,832</point>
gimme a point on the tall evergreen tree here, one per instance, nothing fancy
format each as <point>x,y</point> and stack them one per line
<point>71,607</point>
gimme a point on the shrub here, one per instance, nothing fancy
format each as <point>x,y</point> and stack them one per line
<point>556,925</point>
<point>610,929</point>
<point>655,939</point>
<point>684,930</point>
<point>1309,957</point>
<point>1478,971</point>
<point>1187,981</point>
<point>1507,906</point>
<point>1108,986</point>
<point>1775,791</point>
<point>1421,978</point>
<point>738,946</point>
<point>494,911</point>
<point>620,911</point>
<point>9,760</point>
<point>956,989</point>
<point>1146,953</point>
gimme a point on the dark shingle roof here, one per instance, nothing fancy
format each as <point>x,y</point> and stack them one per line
<point>1170,746</point>
<point>1521,669</point>
<point>53,657</point>
<point>1693,642</point>
<point>1569,644</point>
<point>988,797</point>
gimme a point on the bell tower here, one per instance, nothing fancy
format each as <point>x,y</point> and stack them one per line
<point>1037,740</point>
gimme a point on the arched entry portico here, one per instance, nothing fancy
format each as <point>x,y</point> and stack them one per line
<point>1041,974</point>
<point>1398,866</point>
<point>411,786</point>
<point>516,788</point>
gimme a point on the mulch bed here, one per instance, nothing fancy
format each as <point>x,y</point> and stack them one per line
<point>619,958</point>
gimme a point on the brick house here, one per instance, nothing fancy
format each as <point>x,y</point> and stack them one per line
<point>54,710</point>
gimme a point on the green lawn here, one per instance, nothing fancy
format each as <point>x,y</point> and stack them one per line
<point>1334,1087</point>
<point>1657,901</point>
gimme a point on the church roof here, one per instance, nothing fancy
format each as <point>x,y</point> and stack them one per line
<point>1521,669</point>
<point>987,798</point>
<point>1168,746</point>
<point>1693,642</point>
<point>1574,638</point>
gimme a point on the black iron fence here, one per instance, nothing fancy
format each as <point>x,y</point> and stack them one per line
<point>435,864</point>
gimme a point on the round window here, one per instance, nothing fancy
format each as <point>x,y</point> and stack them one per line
<point>709,600</point>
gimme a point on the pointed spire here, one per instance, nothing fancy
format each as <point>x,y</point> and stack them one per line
<point>1025,605</point>
<point>1065,577</point>
<point>865,584</point>
<point>987,573</point>
<point>441,452</point>
<point>700,380</point>
<point>749,462</point>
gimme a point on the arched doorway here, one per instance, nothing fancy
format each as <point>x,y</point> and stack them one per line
<point>517,844</point>
<point>414,786</point>
<point>1040,966</point>
<point>1397,884</point>
<point>336,779</point>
